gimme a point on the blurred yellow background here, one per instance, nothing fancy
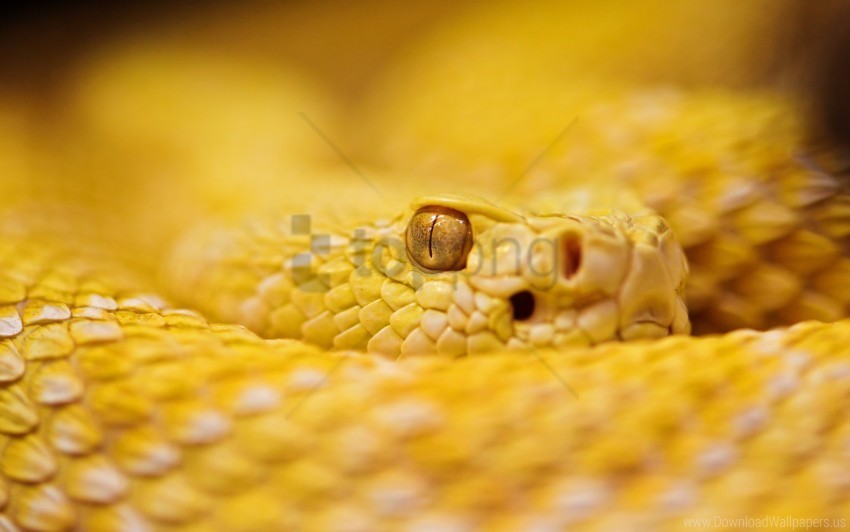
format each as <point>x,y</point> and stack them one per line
<point>220,108</point>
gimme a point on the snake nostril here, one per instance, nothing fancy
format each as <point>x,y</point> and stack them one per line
<point>523,305</point>
<point>571,252</point>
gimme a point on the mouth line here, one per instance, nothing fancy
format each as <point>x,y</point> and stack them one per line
<point>524,330</point>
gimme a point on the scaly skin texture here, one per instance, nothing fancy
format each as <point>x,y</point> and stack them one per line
<point>119,413</point>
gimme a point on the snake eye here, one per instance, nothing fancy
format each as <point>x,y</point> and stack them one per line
<point>439,238</point>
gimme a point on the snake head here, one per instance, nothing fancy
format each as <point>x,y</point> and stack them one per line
<point>451,275</point>
<point>528,280</point>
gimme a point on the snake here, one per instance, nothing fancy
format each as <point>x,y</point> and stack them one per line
<point>650,334</point>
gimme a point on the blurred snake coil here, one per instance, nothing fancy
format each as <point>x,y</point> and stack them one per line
<point>455,363</point>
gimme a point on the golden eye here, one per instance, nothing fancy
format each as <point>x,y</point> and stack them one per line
<point>439,238</point>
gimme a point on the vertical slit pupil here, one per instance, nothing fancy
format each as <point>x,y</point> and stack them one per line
<point>431,237</point>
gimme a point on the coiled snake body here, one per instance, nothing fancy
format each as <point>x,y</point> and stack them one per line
<point>458,366</point>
